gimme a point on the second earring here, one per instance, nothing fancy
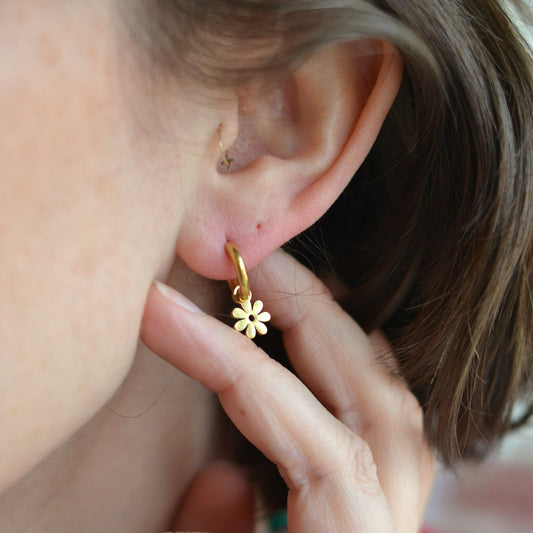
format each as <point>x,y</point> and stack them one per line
<point>225,159</point>
<point>250,317</point>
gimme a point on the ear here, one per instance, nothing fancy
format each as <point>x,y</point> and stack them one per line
<point>295,146</point>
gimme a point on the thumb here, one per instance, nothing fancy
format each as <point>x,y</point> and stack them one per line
<point>219,500</point>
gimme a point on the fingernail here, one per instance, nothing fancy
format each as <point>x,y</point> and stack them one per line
<point>176,298</point>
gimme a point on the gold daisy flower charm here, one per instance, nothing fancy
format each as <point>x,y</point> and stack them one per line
<point>251,318</point>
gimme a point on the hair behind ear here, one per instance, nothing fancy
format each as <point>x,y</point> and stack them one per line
<point>435,233</point>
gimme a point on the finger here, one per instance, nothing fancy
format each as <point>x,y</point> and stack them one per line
<point>219,500</point>
<point>329,470</point>
<point>252,387</point>
<point>330,353</point>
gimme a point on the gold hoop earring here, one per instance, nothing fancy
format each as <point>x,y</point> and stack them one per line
<point>226,160</point>
<point>250,318</point>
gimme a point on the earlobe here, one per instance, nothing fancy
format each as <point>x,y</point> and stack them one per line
<point>298,146</point>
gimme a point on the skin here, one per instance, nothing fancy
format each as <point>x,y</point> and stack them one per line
<point>99,196</point>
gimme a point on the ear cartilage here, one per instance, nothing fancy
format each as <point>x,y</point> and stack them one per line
<point>224,155</point>
<point>250,316</point>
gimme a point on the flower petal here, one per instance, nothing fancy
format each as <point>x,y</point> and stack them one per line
<point>239,313</point>
<point>241,324</point>
<point>247,306</point>
<point>258,306</point>
<point>264,316</point>
<point>261,328</point>
<point>250,331</point>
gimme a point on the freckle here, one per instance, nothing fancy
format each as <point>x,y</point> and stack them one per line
<point>47,50</point>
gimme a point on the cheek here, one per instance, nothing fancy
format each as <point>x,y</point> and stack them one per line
<point>76,257</point>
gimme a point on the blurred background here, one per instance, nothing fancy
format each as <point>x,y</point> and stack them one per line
<point>495,496</point>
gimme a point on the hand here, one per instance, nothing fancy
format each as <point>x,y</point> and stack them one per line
<point>346,436</point>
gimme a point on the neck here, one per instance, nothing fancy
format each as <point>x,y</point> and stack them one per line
<point>128,468</point>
